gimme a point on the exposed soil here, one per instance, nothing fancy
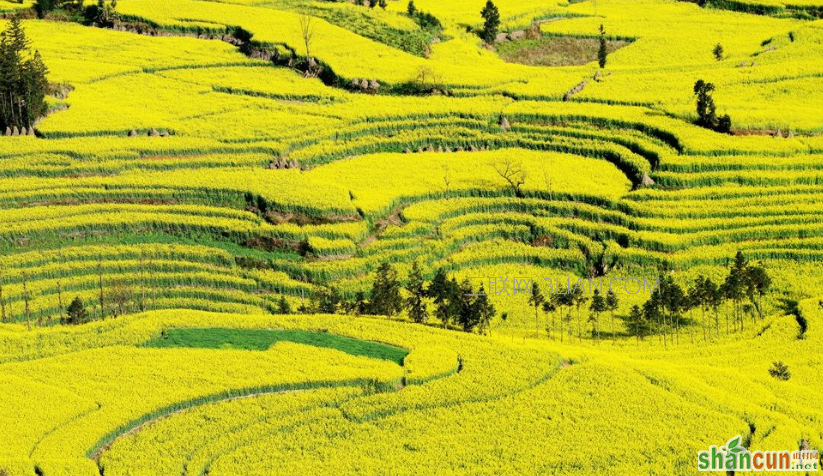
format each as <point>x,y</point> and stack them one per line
<point>555,50</point>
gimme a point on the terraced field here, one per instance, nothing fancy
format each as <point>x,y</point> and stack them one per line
<point>203,165</point>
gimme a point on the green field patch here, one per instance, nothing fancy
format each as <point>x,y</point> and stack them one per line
<point>262,339</point>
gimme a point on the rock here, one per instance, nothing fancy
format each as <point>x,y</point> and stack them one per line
<point>294,164</point>
<point>789,134</point>
<point>504,124</point>
<point>374,86</point>
<point>646,181</point>
<point>439,148</point>
<point>517,35</point>
<point>597,75</point>
<point>419,150</point>
<point>133,133</point>
<point>8,131</point>
<point>31,131</point>
<point>154,133</point>
<point>472,148</point>
<point>460,149</point>
<point>15,131</point>
<point>501,37</point>
<point>355,83</point>
<point>430,148</point>
<point>407,151</point>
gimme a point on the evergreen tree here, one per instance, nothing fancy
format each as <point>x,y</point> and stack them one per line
<point>636,324</point>
<point>718,52</point>
<point>76,312</point>
<point>385,294</point>
<point>706,110</point>
<point>611,306</point>
<point>411,10</point>
<point>467,313</point>
<point>283,306</point>
<point>415,302</point>
<point>491,22</point>
<point>597,306</point>
<point>536,299</point>
<point>758,283</point>
<point>442,291</point>
<point>602,52</point>
<point>23,83</point>
<point>484,310</point>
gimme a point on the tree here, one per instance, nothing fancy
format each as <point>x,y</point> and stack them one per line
<point>706,110</point>
<point>758,284</point>
<point>597,306</point>
<point>2,298</point>
<point>283,306</point>
<point>578,298</point>
<point>549,308</point>
<point>23,83</point>
<point>443,293</point>
<point>536,299</point>
<point>485,311</point>
<point>735,286</point>
<point>491,22</point>
<point>307,31</point>
<point>383,4</point>
<point>602,52</point>
<point>636,324</point>
<point>100,285</point>
<point>76,312</point>
<point>468,315</point>
<point>780,371</point>
<point>26,298</point>
<point>611,306</point>
<point>513,173</point>
<point>718,52</point>
<point>326,300</point>
<point>415,302</point>
<point>724,124</point>
<point>121,294</point>
<point>385,294</point>
<point>411,10</point>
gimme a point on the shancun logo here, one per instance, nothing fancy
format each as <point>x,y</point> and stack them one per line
<point>735,457</point>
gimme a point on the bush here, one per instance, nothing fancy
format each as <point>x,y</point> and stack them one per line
<point>780,371</point>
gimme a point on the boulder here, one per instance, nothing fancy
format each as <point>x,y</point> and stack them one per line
<point>646,181</point>
<point>504,124</point>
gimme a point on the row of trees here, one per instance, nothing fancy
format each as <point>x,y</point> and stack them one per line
<point>23,83</point>
<point>743,289</point>
<point>455,304</point>
<point>115,297</point>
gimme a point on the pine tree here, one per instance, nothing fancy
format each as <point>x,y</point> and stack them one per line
<point>283,306</point>
<point>385,295</point>
<point>414,303</point>
<point>411,10</point>
<point>597,306</point>
<point>491,22</point>
<point>718,52</point>
<point>23,83</point>
<point>602,52</point>
<point>536,299</point>
<point>611,306</point>
<point>485,311</point>
<point>76,312</point>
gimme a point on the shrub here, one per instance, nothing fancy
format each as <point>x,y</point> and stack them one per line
<point>780,371</point>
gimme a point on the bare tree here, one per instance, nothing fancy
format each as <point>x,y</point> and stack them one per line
<point>307,30</point>
<point>547,178</point>
<point>60,301</point>
<point>26,300</point>
<point>100,283</point>
<point>2,299</point>
<point>121,294</point>
<point>447,179</point>
<point>513,173</point>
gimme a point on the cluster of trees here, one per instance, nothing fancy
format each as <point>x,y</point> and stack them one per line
<point>567,304</point>
<point>455,304</point>
<point>426,20</point>
<point>666,308</point>
<point>101,14</point>
<point>707,111</point>
<point>23,83</point>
